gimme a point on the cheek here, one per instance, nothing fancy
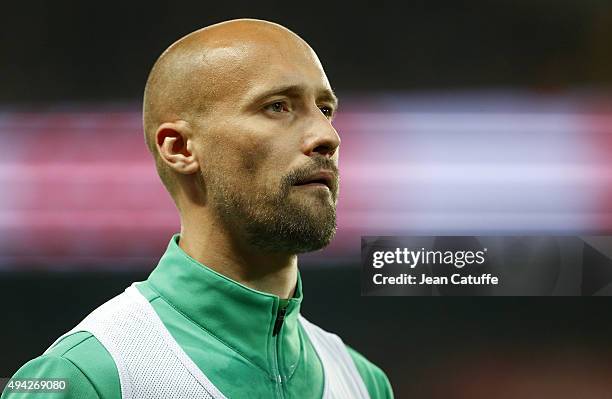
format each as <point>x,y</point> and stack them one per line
<point>249,153</point>
<point>238,158</point>
<point>251,157</point>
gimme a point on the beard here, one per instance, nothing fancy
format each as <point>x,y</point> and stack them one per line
<point>279,219</point>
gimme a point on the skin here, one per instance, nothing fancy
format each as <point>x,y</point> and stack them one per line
<point>236,114</point>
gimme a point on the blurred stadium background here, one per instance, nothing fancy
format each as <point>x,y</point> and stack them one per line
<point>474,117</point>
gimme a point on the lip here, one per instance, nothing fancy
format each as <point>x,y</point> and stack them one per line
<point>323,178</point>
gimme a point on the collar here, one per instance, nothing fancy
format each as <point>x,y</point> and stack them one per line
<point>239,316</point>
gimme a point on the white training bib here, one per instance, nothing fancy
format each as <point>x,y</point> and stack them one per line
<point>152,365</point>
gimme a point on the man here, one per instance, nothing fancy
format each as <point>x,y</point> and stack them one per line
<point>238,118</point>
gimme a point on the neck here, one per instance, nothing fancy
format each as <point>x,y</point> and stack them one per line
<point>211,244</point>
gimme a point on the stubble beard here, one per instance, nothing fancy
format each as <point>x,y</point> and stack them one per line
<point>278,220</point>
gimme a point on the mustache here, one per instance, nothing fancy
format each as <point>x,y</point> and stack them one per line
<point>318,163</point>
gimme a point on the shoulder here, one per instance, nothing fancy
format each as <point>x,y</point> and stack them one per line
<point>82,360</point>
<point>374,377</point>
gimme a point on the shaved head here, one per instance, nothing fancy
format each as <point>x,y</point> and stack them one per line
<point>201,68</point>
<point>238,117</point>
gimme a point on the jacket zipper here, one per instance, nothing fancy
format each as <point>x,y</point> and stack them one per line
<point>280,317</point>
<point>278,324</point>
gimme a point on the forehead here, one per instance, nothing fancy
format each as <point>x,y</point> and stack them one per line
<point>241,69</point>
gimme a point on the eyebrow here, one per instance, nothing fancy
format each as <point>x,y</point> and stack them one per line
<point>294,90</point>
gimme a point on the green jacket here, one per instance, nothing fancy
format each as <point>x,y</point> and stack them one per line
<point>226,328</point>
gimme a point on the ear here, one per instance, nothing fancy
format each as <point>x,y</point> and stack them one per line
<point>175,144</point>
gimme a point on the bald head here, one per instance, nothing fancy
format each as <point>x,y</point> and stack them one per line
<point>204,67</point>
<point>238,116</point>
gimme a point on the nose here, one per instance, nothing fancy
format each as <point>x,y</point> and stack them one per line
<point>322,137</point>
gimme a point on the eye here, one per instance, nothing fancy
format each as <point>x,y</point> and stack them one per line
<point>327,111</point>
<point>278,106</point>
